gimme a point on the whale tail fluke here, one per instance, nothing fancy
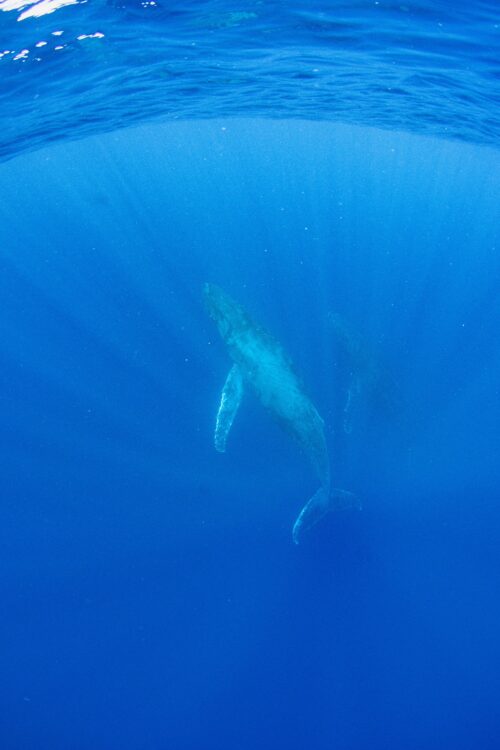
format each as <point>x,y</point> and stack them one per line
<point>344,500</point>
<point>319,505</point>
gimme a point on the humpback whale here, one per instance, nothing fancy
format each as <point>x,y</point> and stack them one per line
<point>260,364</point>
<point>365,375</point>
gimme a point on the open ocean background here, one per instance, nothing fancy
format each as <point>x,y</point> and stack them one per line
<point>339,158</point>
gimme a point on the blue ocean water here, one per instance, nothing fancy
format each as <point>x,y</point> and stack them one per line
<point>75,67</point>
<point>336,170</point>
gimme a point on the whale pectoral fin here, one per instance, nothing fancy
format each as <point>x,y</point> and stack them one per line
<point>229,403</point>
<point>319,505</point>
<point>352,396</point>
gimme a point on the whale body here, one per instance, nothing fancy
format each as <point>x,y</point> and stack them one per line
<point>261,364</point>
<point>368,382</point>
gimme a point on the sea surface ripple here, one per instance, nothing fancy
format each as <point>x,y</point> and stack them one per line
<point>70,68</point>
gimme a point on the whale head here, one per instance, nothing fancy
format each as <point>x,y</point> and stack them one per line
<point>227,314</point>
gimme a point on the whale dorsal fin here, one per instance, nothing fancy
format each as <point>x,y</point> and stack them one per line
<point>229,403</point>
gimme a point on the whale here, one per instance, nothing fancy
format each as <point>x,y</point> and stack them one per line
<point>261,365</point>
<point>366,380</point>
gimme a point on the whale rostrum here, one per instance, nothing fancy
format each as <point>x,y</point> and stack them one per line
<point>262,365</point>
